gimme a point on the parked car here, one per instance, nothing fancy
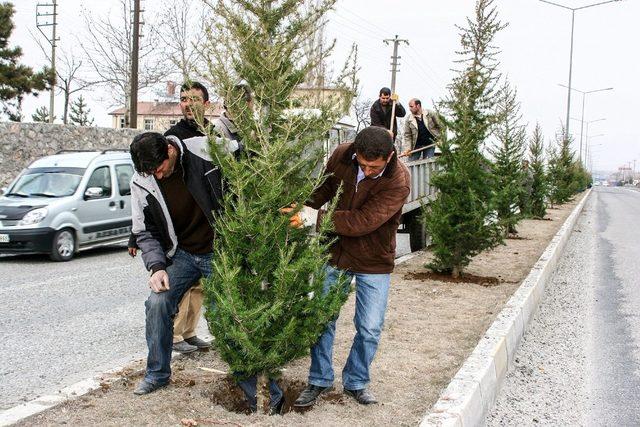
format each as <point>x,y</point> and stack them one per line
<point>68,202</point>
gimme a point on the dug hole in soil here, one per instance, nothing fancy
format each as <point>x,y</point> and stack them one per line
<point>432,325</point>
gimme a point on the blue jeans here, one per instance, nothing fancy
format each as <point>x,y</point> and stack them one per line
<point>162,307</point>
<point>249,387</point>
<point>371,303</point>
<point>424,154</point>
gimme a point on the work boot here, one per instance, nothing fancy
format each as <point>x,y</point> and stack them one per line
<point>145,387</point>
<point>201,344</point>
<point>362,396</point>
<point>184,347</point>
<point>309,395</point>
<point>277,409</point>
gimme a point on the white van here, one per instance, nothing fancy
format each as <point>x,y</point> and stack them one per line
<point>68,202</point>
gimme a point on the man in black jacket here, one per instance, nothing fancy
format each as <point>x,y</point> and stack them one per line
<point>380,112</point>
<point>194,101</point>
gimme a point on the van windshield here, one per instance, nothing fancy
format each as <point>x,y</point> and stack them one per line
<point>47,182</point>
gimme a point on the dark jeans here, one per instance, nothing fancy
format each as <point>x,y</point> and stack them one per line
<point>424,154</point>
<point>249,386</point>
<point>162,307</point>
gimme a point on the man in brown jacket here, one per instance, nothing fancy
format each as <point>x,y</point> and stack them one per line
<point>375,187</point>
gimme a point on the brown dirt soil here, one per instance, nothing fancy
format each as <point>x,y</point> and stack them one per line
<point>432,325</point>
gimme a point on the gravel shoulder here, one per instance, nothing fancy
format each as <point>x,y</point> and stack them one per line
<point>431,327</point>
<point>547,384</point>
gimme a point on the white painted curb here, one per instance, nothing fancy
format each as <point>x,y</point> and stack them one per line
<point>42,403</point>
<point>473,390</point>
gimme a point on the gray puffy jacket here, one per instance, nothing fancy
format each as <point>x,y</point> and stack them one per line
<point>152,225</point>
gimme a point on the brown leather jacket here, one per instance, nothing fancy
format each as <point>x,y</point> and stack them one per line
<point>365,221</point>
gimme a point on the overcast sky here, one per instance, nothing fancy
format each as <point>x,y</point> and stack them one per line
<point>535,57</point>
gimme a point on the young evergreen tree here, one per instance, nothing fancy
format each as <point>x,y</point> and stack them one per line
<point>539,186</point>
<point>79,114</point>
<point>41,115</point>
<point>581,177</point>
<point>460,220</point>
<point>561,170</point>
<point>507,155</point>
<point>16,80</point>
<point>266,305</point>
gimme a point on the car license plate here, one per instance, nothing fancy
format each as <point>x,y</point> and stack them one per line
<point>4,238</point>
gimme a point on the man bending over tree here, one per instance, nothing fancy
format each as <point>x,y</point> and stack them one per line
<point>174,192</point>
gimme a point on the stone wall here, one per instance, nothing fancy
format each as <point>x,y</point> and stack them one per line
<point>22,143</point>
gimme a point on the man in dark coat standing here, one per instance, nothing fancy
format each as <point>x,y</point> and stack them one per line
<point>381,111</point>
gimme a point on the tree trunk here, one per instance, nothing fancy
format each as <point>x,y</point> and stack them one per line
<point>66,108</point>
<point>455,272</point>
<point>262,395</point>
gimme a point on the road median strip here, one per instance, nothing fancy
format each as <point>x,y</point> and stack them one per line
<point>473,390</point>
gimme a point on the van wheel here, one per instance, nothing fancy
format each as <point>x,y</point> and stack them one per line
<point>64,245</point>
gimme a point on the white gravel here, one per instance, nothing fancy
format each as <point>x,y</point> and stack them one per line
<point>547,384</point>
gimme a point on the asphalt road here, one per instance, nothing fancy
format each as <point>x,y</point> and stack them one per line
<point>579,363</point>
<point>65,322</point>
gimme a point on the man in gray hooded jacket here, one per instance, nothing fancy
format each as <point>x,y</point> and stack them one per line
<point>175,193</point>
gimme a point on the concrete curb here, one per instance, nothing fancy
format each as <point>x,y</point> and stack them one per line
<point>42,403</point>
<point>473,390</point>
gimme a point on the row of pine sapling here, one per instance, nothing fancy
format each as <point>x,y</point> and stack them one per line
<point>484,185</point>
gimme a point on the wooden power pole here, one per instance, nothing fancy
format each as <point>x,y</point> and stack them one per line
<point>394,69</point>
<point>135,48</point>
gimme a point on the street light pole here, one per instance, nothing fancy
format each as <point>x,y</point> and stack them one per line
<point>573,15</point>
<point>584,94</point>
<point>566,131</point>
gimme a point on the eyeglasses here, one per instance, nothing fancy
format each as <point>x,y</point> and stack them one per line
<point>151,171</point>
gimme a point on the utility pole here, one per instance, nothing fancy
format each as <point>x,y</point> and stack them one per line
<point>52,41</point>
<point>394,58</point>
<point>394,69</point>
<point>133,99</point>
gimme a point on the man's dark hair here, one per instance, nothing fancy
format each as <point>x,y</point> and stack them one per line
<point>195,85</point>
<point>247,96</point>
<point>373,142</point>
<point>385,91</point>
<point>148,150</point>
<point>417,102</point>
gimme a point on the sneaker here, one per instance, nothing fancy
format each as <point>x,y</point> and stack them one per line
<point>201,344</point>
<point>184,347</point>
<point>309,395</point>
<point>363,396</point>
<point>145,387</point>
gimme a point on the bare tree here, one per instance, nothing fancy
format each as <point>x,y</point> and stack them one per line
<point>108,50</point>
<point>361,109</point>
<point>182,32</point>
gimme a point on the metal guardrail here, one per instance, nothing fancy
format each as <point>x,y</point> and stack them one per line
<point>421,190</point>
